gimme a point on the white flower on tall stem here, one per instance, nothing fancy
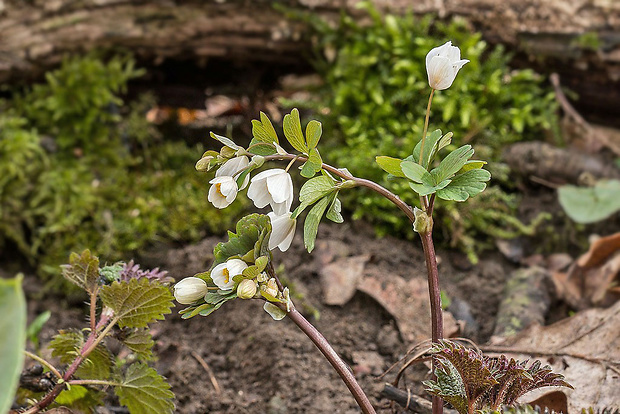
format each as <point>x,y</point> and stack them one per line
<point>189,290</point>
<point>442,65</point>
<point>234,166</point>
<point>223,191</point>
<point>274,187</point>
<point>222,274</point>
<point>282,231</point>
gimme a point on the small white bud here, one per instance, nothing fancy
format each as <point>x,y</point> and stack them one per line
<point>189,290</point>
<point>246,289</point>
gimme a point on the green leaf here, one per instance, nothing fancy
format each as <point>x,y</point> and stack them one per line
<point>423,189</point>
<point>430,147</point>
<point>465,185</point>
<point>263,130</point>
<point>34,329</point>
<point>312,165</point>
<point>472,165</point>
<point>333,213</point>
<point>226,141</point>
<point>390,165</point>
<point>591,204</point>
<point>67,345</point>
<point>444,141</point>
<point>311,225</point>
<point>144,391</point>
<point>137,302</point>
<point>251,231</point>
<point>452,163</point>
<point>415,172</point>
<point>292,131</point>
<point>313,133</point>
<point>12,338</point>
<point>261,148</point>
<point>276,313</point>
<point>80,398</point>
<point>313,190</point>
<point>140,342</point>
<point>83,271</point>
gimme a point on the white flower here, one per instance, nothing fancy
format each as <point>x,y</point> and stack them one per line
<point>234,165</point>
<point>223,191</point>
<point>189,290</point>
<point>273,187</point>
<point>223,273</point>
<point>442,65</point>
<point>282,231</point>
<point>246,289</point>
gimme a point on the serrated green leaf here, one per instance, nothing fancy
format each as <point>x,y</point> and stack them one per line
<point>140,342</point>
<point>292,131</point>
<point>263,130</point>
<point>67,345</point>
<point>452,163</point>
<point>591,204</point>
<point>390,165</point>
<point>465,185</point>
<point>261,148</point>
<point>12,338</point>
<point>430,147</point>
<point>311,225</point>
<point>83,271</point>
<point>314,129</point>
<point>226,141</point>
<point>138,302</point>
<point>333,212</point>
<point>417,173</point>
<point>144,391</point>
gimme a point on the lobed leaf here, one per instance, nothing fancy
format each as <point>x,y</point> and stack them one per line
<point>430,147</point>
<point>333,212</point>
<point>452,163</point>
<point>263,130</point>
<point>390,165</point>
<point>590,204</point>
<point>83,271</point>
<point>251,231</point>
<point>465,185</point>
<point>415,172</point>
<point>313,190</point>
<point>311,225</point>
<point>144,391</point>
<point>293,133</point>
<point>138,302</point>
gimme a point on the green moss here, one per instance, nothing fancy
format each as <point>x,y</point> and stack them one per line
<point>82,169</point>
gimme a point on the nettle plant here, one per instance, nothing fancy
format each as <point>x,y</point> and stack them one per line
<point>243,266</point>
<point>124,300</point>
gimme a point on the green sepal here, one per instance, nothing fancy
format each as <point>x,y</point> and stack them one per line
<point>293,133</point>
<point>390,165</point>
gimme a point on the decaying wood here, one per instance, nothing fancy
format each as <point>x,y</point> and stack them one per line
<point>35,34</point>
<point>557,165</point>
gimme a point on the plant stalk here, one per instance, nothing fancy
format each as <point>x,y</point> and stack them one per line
<point>428,114</point>
<point>336,362</point>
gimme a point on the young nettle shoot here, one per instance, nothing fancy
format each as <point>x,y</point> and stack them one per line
<point>243,266</point>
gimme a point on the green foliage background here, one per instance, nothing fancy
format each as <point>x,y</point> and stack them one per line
<point>80,168</point>
<point>374,100</point>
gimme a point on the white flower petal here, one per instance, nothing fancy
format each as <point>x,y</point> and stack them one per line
<point>232,166</point>
<point>442,65</point>
<point>257,192</point>
<point>282,231</point>
<point>189,290</point>
<point>280,187</point>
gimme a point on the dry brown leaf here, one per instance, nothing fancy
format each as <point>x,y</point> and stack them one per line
<point>585,348</point>
<point>408,303</point>
<point>599,251</point>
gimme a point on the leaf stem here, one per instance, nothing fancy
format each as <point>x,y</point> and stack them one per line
<point>42,361</point>
<point>362,182</point>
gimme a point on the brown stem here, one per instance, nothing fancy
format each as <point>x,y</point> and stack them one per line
<point>435,295</point>
<point>359,181</point>
<point>339,365</point>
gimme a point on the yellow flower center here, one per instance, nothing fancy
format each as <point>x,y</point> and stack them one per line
<point>218,188</point>
<point>226,275</point>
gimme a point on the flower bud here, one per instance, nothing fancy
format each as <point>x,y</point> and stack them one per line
<point>423,222</point>
<point>246,289</point>
<point>271,288</point>
<point>442,65</point>
<point>189,290</point>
